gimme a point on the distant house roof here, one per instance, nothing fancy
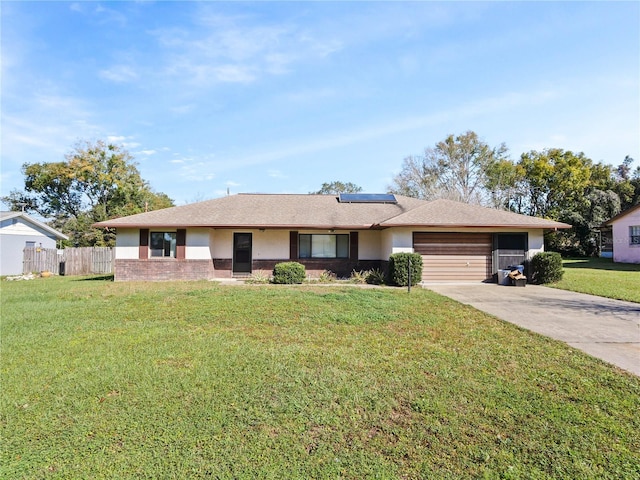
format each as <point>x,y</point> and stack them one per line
<point>43,226</point>
<point>620,215</point>
<point>325,212</point>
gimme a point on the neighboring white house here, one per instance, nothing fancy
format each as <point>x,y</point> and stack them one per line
<point>626,235</point>
<point>18,231</point>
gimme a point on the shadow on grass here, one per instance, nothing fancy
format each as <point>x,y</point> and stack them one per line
<point>103,278</point>
<point>599,264</point>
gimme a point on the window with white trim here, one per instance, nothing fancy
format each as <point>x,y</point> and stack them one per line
<point>163,244</point>
<point>323,246</point>
<point>634,235</point>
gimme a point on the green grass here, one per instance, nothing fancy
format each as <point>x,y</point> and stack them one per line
<point>602,277</point>
<point>198,380</point>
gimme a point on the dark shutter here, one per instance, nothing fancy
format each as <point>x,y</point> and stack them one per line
<point>353,245</point>
<point>143,250</point>
<point>181,242</point>
<point>293,245</point>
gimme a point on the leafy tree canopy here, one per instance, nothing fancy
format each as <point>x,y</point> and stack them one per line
<point>97,181</point>
<point>334,188</point>
<point>456,168</point>
<point>569,187</point>
<point>552,183</point>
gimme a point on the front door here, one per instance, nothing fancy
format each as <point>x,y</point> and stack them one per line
<point>242,253</point>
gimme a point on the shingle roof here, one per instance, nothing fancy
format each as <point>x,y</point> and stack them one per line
<point>438,213</point>
<point>324,211</point>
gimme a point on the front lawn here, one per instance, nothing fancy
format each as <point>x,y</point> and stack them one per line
<point>602,277</point>
<point>197,380</point>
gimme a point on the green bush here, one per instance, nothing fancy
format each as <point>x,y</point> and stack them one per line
<point>398,269</point>
<point>258,276</point>
<point>546,267</point>
<point>375,277</point>
<point>289,273</point>
<point>359,276</point>
<point>327,277</point>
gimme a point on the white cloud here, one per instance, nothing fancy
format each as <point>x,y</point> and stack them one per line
<point>109,15</point>
<point>194,169</point>
<point>126,141</point>
<point>77,7</point>
<point>47,121</point>
<point>183,109</point>
<point>276,174</point>
<point>234,49</point>
<point>119,74</point>
<point>465,112</point>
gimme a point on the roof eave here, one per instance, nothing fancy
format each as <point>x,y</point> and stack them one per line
<point>484,225</point>
<point>236,226</point>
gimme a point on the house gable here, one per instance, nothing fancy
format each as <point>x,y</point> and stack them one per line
<point>625,228</point>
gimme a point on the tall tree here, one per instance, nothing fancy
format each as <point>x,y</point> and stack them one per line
<point>567,187</point>
<point>554,181</point>
<point>97,181</point>
<point>627,183</point>
<point>456,168</point>
<point>334,188</point>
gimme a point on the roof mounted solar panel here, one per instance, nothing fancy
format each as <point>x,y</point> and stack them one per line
<point>367,198</point>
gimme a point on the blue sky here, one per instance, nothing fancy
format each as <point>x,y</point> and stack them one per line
<point>279,97</point>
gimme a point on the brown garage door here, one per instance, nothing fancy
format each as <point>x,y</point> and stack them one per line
<point>454,256</point>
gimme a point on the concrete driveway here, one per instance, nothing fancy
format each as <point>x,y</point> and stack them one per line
<point>604,328</point>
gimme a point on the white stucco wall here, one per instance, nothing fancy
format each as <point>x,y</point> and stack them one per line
<point>271,244</point>
<point>622,251</point>
<point>395,240</point>
<point>536,242</point>
<point>369,244</point>
<point>266,245</point>
<point>197,247</point>
<point>221,242</point>
<point>127,243</point>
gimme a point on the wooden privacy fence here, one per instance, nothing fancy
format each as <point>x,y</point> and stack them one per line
<point>70,261</point>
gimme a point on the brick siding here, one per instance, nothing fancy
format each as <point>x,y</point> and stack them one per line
<point>314,267</point>
<point>158,269</point>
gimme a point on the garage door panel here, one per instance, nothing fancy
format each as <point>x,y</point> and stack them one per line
<point>455,267</point>
<point>454,256</point>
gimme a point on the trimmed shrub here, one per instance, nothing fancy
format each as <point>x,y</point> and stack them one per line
<point>546,267</point>
<point>375,277</point>
<point>398,269</point>
<point>258,277</point>
<point>289,273</point>
<point>327,277</point>
<point>359,276</point>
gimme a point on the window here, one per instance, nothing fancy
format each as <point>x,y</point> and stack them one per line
<point>323,246</point>
<point>163,244</point>
<point>29,244</point>
<point>634,235</point>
